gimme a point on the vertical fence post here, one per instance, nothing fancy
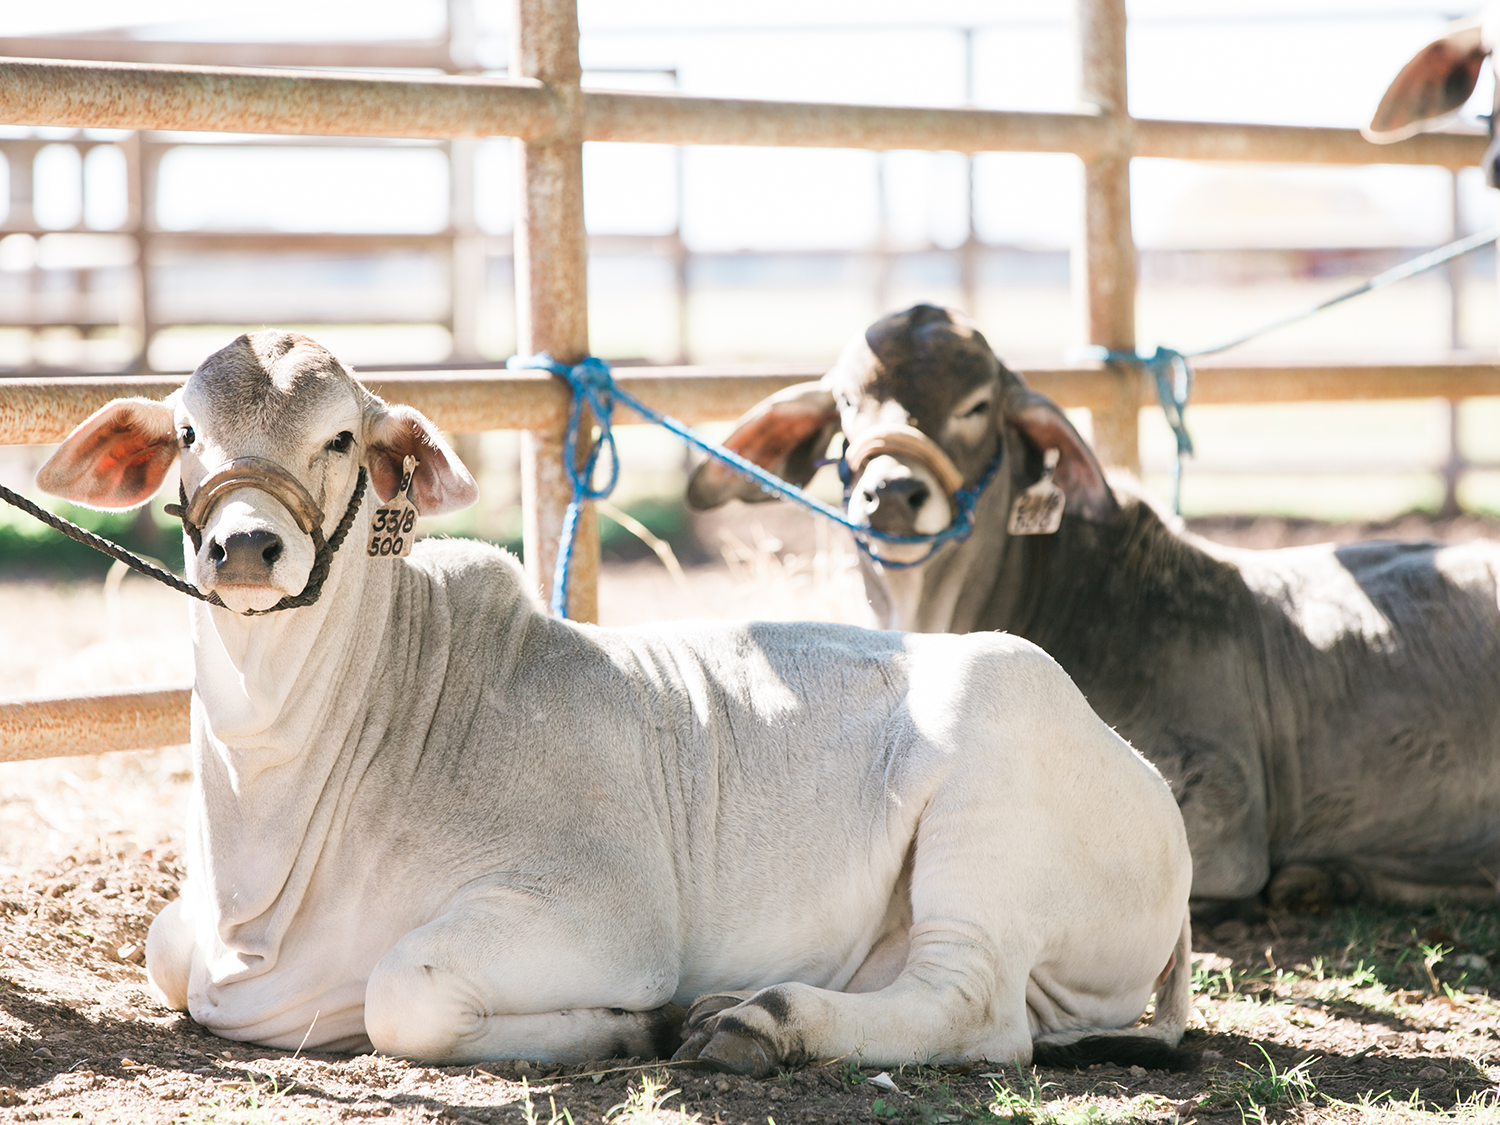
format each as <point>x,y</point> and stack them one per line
<point>1104,258</point>
<point>552,287</point>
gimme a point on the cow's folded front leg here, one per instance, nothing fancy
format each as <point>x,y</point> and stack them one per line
<point>169,954</point>
<point>468,987</point>
<point>910,1021</point>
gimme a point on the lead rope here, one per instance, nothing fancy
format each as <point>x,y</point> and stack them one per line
<point>99,543</point>
<point>1172,371</point>
<point>594,386</point>
<point>324,549</point>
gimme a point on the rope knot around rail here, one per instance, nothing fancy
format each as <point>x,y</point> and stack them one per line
<point>1172,374</point>
<point>593,386</point>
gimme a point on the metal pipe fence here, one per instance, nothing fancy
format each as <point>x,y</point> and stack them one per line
<point>543,105</point>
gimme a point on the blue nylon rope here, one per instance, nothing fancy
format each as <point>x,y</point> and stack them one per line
<point>594,386</point>
<point>1172,370</point>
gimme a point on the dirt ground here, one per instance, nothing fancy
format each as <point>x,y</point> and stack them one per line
<point>1361,1014</point>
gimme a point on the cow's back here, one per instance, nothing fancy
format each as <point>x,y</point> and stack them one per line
<point>1385,661</point>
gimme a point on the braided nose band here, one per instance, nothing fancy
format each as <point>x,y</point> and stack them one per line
<point>905,441</point>
<point>272,479</point>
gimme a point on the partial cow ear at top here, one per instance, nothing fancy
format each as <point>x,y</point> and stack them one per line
<point>441,485</point>
<point>785,434</point>
<point>116,458</point>
<point>1437,81</point>
<point>1078,473</point>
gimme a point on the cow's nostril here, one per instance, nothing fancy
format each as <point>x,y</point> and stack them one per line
<point>917,497</point>
<point>246,556</point>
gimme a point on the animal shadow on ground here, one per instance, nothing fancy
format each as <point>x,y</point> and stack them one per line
<point>1359,1014</point>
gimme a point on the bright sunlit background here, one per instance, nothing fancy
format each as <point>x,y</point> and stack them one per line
<point>399,253</point>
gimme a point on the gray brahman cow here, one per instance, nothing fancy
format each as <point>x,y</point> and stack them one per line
<point>429,818</point>
<point>1328,717</point>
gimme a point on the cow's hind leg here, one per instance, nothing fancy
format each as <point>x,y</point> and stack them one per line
<point>464,989</point>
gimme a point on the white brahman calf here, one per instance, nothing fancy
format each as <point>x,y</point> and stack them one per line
<point>430,818</point>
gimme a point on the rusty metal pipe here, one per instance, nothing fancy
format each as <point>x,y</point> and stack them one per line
<point>297,102</point>
<point>551,261</point>
<point>40,411</point>
<point>681,119</point>
<point>139,719</point>
<point>1104,254</point>
<point>301,102</point>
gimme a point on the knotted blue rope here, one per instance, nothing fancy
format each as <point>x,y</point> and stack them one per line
<point>1172,370</point>
<point>593,386</point>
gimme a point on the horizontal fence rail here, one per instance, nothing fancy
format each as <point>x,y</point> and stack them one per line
<point>34,411</point>
<point>544,107</point>
<point>102,95</point>
<point>44,410</point>
<point>139,719</point>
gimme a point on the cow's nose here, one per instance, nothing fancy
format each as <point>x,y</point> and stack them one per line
<point>245,557</point>
<point>908,492</point>
<point>893,504</point>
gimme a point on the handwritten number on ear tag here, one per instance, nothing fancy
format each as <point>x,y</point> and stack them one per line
<point>393,527</point>
<point>1039,510</point>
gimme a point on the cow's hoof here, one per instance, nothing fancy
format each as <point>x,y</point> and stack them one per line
<point>711,1004</point>
<point>665,1027</point>
<point>739,1050</point>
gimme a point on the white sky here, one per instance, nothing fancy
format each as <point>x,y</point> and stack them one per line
<point>1318,62</point>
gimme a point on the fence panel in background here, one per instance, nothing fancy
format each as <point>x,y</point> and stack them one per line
<point>545,108</point>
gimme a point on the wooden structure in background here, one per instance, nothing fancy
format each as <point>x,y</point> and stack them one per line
<point>543,105</point>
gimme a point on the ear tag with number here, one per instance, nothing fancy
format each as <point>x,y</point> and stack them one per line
<point>1039,510</point>
<point>392,530</point>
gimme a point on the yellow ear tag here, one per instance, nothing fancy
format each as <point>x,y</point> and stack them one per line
<point>1039,510</point>
<point>392,529</point>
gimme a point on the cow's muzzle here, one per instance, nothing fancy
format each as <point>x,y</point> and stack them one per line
<point>258,473</point>
<point>245,558</point>
<point>908,442</point>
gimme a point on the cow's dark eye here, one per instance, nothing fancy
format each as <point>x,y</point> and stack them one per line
<point>342,443</point>
<point>188,436</point>
<point>977,410</point>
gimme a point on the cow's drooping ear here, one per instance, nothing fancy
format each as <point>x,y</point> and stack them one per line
<point>441,484</point>
<point>785,434</point>
<point>1039,422</point>
<point>1437,82</point>
<point>116,458</point>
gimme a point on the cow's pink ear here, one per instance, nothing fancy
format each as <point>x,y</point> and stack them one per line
<point>1040,422</point>
<point>785,434</point>
<point>441,484</point>
<point>116,458</point>
<point>1437,81</point>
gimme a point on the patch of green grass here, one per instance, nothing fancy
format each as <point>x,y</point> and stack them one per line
<point>31,549</point>
<point>1024,1103</point>
<point>1377,957</point>
<point>1259,1088</point>
<point>1480,1108</point>
<point>644,1104</point>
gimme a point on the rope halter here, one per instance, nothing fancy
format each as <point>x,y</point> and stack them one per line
<point>288,491</point>
<point>908,442</point>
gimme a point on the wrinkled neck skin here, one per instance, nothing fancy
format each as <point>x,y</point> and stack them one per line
<point>266,681</point>
<point>949,592</point>
<point>280,702</point>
